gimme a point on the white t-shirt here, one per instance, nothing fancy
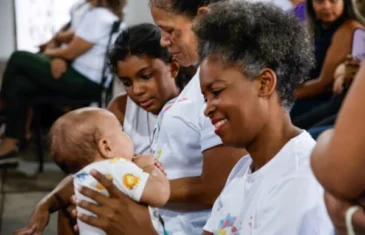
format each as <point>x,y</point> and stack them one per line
<point>127,176</point>
<point>95,27</point>
<point>182,133</point>
<point>78,12</point>
<point>139,125</point>
<point>281,198</point>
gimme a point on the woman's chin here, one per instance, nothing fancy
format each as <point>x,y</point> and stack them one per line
<point>227,139</point>
<point>231,141</point>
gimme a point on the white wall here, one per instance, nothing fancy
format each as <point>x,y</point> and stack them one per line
<point>7,37</point>
<point>137,12</point>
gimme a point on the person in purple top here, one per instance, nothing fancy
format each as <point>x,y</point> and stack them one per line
<point>299,10</point>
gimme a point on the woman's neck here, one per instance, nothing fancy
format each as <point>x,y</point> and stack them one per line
<point>274,135</point>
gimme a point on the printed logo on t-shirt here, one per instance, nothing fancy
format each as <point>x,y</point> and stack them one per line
<point>227,227</point>
<point>130,181</point>
<point>183,99</point>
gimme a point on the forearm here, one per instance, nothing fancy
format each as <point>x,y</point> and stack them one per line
<point>58,53</point>
<point>65,37</point>
<point>194,192</point>
<point>202,191</point>
<point>331,172</point>
<point>311,89</point>
<point>157,191</point>
<point>60,196</point>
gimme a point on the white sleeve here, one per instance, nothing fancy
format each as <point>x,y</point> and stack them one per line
<point>213,220</point>
<point>294,207</point>
<point>208,138</point>
<point>129,178</point>
<point>94,26</point>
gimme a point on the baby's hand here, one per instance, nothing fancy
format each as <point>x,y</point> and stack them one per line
<point>144,160</point>
<point>159,165</point>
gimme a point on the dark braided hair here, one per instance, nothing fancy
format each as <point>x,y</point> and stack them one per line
<point>144,39</point>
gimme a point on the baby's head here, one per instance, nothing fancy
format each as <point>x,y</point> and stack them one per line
<point>87,135</point>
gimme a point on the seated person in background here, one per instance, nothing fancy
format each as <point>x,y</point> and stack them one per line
<point>299,9</point>
<point>75,71</point>
<point>66,33</point>
<point>325,114</point>
<point>91,138</point>
<point>333,24</point>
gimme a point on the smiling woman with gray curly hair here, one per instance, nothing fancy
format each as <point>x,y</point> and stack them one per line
<point>258,39</point>
<point>252,57</point>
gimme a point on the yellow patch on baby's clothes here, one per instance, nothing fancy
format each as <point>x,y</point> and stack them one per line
<point>114,160</point>
<point>99,186</point>
<point>130,181</point>
<point>159,153</point>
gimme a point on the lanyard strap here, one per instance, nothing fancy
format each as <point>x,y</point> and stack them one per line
<point>157,129</point>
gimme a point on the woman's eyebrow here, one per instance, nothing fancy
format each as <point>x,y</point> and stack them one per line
<point>141,70</point>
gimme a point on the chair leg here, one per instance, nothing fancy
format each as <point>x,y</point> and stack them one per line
<point>38,138</point>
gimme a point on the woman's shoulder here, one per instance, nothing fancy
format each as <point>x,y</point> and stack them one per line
<point>349,26</point>
<point>347,29</point>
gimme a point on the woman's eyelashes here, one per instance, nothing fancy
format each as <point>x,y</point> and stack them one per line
<point>146,76</point>
<point>126,82</point>
<point>216,92</point>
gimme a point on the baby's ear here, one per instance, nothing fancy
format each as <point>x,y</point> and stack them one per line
<point>105,148</point>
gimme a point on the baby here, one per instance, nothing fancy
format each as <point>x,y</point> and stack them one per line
<point>92,138</point>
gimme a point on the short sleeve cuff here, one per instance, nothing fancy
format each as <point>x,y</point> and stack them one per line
<point>137,192</point>
<point>207,227</point>
<point>209,140</point>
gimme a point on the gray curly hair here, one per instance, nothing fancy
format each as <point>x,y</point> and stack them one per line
<point>254,36</point>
